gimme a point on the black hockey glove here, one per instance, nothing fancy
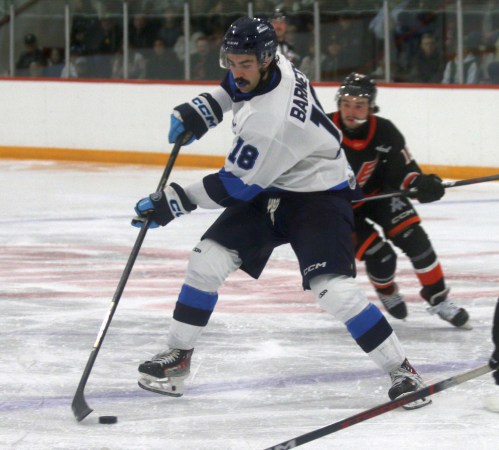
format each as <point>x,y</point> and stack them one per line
<point>195,118</point>
<point>429,188</point>
<point>163,207</point>
<point>494,364</point>
<point>494,359</point>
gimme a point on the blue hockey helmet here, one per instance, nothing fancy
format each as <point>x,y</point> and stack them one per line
<point>249,36</point>
<point>359,85</point>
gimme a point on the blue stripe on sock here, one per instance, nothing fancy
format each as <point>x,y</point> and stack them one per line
<point>364,321</point>
<point>195,298</point>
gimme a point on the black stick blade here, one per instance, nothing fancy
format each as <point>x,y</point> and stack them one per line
<point>79,406</point>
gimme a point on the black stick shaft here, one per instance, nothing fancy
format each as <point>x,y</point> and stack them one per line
<point>381,409</point>
<point>446,184</point>
<point>79,405</point>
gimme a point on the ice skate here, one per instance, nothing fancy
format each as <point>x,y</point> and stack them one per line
<point>405,380</point>
<point>393,302</point>
<point>449,312</point>
<point>165,373</point>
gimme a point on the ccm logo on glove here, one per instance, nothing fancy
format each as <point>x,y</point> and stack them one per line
<point>162,207</point>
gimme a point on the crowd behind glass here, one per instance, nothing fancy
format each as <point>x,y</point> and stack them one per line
<point>427,41</point>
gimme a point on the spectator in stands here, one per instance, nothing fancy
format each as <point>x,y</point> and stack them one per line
<point>491,55</point>
<point>136,65</point>
<point>36,69</point>
<point>493,69</point>
<point>280,24</point>
<point>471,62</point>
<point>164,63</point>
<point>77,66</point>
<point>142,32</point>
<point>171,27</point>
<point>55,63</point>
<point>428,65</point>
<point>205,64</point>
<point>83,24</point>
<point>350,33</point>
<point>308,63</point>
<point>414,19</point>
<point>107,37</point>
<point>31,54</point>
<point>333,66</point>
<point>105,42</point>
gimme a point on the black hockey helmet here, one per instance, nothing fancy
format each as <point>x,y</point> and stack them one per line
<point>249,36</point>
<point>359,85</point>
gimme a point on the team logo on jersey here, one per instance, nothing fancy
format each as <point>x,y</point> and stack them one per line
<point>365,171</point>
<point>383,149</point>
<point>397,204</point>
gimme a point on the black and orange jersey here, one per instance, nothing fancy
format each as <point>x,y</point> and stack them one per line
<point>378,155</point>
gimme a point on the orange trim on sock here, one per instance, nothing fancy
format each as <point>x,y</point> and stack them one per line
<point>382,286</point>
<point>362,249</point>
<point>431,277</point>
<point>403,225</point>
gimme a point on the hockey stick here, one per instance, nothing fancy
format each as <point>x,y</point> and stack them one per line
<point>79,406</point>
<point>446,184</point>
<point>381,409</point>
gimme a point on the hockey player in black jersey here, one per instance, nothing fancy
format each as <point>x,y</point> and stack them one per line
<point>377,152</point>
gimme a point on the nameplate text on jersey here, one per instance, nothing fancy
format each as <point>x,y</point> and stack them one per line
<point>299,105</point>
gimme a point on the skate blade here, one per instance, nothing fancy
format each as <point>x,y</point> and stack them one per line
<point>417,404</point>
<point>163,387</point>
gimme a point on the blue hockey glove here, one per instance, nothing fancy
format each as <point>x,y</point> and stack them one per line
<point>162,207</point>
<point>176,129</point>
<point>429,188</point>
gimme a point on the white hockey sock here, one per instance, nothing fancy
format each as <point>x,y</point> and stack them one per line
<point>182,335</point>
<point>389,354</point>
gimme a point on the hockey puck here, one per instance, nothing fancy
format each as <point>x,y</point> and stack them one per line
<point>108,419</point>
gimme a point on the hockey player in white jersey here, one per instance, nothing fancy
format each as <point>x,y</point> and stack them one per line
<point>285,180</point>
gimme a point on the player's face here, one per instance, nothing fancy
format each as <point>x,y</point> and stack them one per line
<point>353,111</point>
<point>246,71</point>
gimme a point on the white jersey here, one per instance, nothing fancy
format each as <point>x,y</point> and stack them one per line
<point>283,141</point>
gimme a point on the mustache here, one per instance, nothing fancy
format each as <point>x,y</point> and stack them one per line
<point>241,82</point>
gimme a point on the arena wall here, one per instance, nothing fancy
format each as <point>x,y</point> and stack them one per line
<point>451,130</point>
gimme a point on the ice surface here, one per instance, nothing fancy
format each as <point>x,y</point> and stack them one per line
<point>269,366</point>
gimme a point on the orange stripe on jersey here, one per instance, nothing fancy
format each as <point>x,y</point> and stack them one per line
<point>432,276</point>
<point>407,180</point>
<point>357,144</point>
<point>360,203</point>
<point>362,249</point>
<point>403,225</point>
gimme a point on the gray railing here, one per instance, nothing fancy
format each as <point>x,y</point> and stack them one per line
<point>104,39</point>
